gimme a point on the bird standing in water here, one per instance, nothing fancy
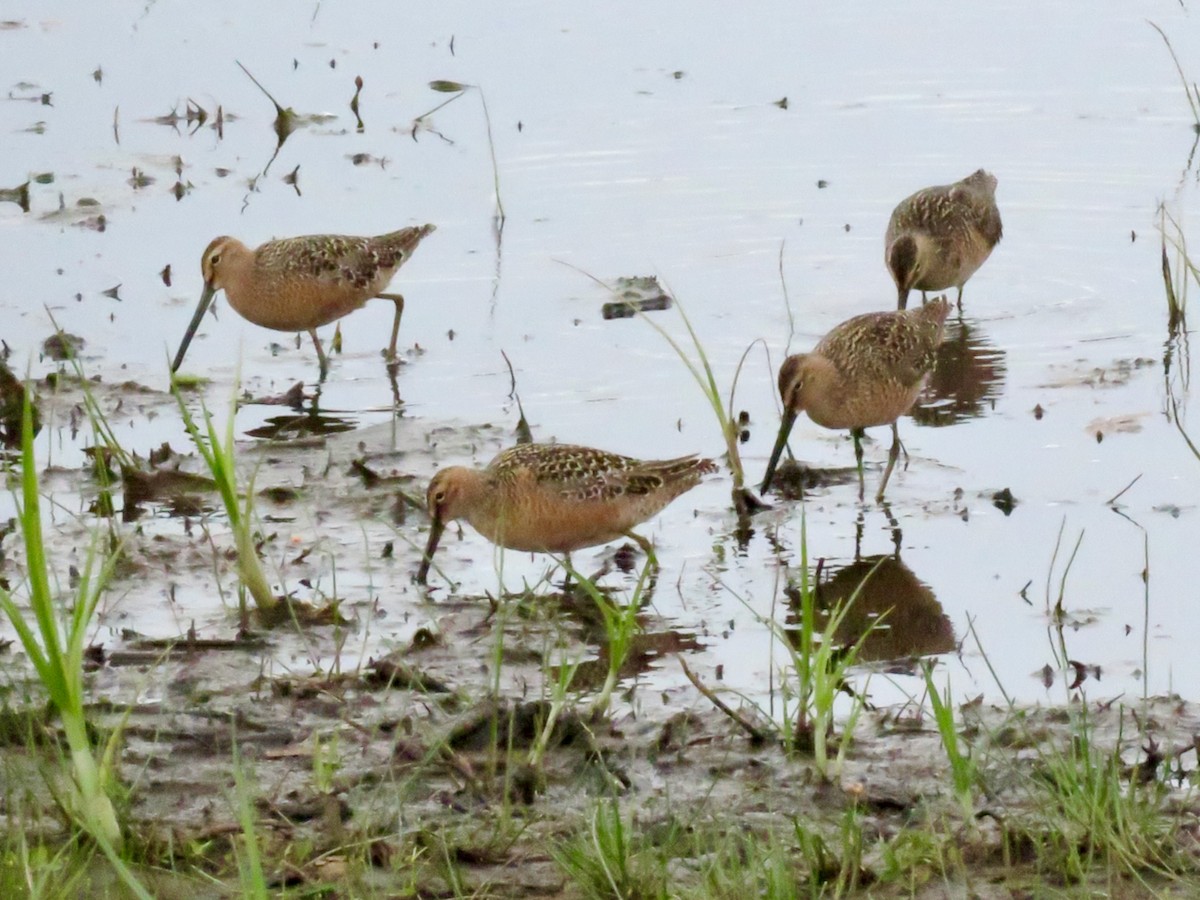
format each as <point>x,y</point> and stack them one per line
<point>302,283</point>
<point>867,371</point>
<point>939,236</point>
<point>556,498</point>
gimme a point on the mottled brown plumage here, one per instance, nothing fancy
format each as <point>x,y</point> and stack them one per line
<point>939,236</point>
<point>302,283</point>
<point>556,498</point>
<point>867,371</point>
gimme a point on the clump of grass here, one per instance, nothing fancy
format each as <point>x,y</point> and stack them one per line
<point>219,456</point>
<point>701,371</point>
<point>1097,814</point>
<point>748,864</point>
<point>559,698</point>
<point>822,667</point>
<point>1175,284</point>
<point>610,860</point>
<point>913,856</point>
<point>55,644</point>
<point>101,429</point>
<point>963,771</point>
<point>250,869</point>
<point>620,626</point>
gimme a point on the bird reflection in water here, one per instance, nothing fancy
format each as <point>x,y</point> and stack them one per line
<point>306,419</point>
<point>967,377</point>
<point>897,612</point>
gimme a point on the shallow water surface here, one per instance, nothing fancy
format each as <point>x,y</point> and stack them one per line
<point>642,140</point>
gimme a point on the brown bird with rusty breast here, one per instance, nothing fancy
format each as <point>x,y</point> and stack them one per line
<point>867,371</point>
<point>302,283</point>
<point>556,498</point>
<point>938,237</point>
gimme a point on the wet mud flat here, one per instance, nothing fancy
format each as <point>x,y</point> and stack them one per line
<point>428,789</point>
<point>421,745</point>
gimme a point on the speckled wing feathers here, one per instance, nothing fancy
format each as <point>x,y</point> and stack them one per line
<point>882,346</point>
<point>951,210</point>
<point>344,259</point>
<point>583,473</point>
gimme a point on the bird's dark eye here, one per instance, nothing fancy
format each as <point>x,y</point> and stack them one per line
<point>439,498</point>
<point>214,259</point>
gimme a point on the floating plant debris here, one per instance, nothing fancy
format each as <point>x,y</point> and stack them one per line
<point>139,179</point>
<point>18,195</point>
<point>638,294</point>
<point>1004,501</point>
<point>358,86</point>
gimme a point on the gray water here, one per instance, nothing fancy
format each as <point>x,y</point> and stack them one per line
<point>635,139</point>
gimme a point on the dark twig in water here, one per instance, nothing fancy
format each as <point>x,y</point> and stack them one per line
<point>524,434</point>
<point>1117,496</point>
<point>987,660</point>
<point>441,87</point>
<point>278,109</point>
<point>756,734</point>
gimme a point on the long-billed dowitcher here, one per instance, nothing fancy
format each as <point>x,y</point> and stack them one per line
<point>867,371</point>
<point>302,283</point>
<point>556,498</point>
<point>939,236</point>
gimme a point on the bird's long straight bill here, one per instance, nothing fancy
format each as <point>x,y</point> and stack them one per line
<point>435,534</point>
<point>785,428</point>
<point>201,309</point>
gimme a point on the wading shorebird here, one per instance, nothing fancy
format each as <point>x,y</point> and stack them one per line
<point>939,236</point>
<point>556,498</point>
<point>302,283</point>
<point>867,371</point>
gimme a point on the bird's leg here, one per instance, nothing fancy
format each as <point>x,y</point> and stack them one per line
<point>321,358</point>
<point>566,585</point>
<point>897,535</point>
<point>600,573</point>
<point>398,299</point>
<point>857,434</point>
<point>960,298</point>
<point>893,453</point>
